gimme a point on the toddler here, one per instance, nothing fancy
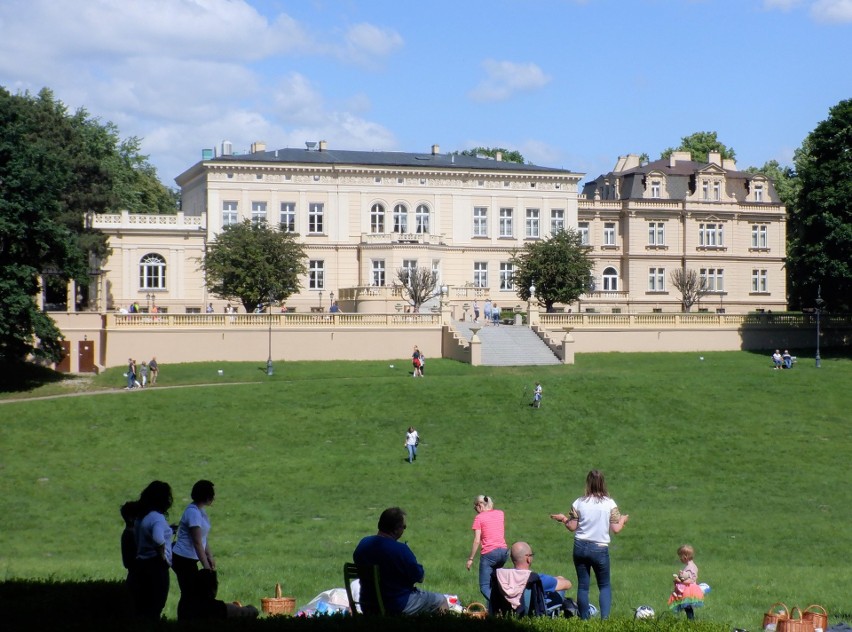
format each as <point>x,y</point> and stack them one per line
<point>687,594</point>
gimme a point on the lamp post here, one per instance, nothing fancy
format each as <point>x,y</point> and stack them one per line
<point>529,304</point>
<point>149,299</point>
<point>320,301</point>
<point>269,316</point>
<point>330,300</point>
<point>819,303</point>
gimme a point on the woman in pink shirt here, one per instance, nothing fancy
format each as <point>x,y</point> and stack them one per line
<point>488,533</point>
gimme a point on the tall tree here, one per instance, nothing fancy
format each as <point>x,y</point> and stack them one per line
<point>699,145</point>
<point>820,227</point>
<point>418,285</point>
<point>691,286</point>
<point>507,154</point>
<point>56,168</point>
<point>254,264</point>
<point>558,266</point>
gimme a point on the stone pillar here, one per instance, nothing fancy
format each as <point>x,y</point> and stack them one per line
<point>475,348</point>
<point>568,347</point>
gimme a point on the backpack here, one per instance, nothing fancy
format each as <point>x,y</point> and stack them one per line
<point>417,441</point>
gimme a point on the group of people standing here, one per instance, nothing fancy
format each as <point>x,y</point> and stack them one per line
<point>138,377</point>
<point>491,312</point>
<point>150,546</point>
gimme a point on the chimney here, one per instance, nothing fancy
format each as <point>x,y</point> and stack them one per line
<point>258,146</point>
<point>729,164</point>
<point>323,145</point>
<point>715,158</point>
<point>227,148</point>
<point>436,149</point>
<point>498,156</point>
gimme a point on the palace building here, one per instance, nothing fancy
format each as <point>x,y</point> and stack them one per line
<point>363,215</point>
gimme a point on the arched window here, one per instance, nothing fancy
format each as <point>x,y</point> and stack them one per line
<point>610,280</point>
<point>152,272</point>
<point>400,218</point>
<point>377,219</point>
<point>421,219</point>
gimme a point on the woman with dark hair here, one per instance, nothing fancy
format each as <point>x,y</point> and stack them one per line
<point>592,517</point>
<point>153,550</point>
<point>191,546</point>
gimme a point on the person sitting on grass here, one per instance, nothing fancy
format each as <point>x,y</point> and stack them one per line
<point>522,558</point>
<point>398,571</point>
<point>200,602</point>
<point>777,360</point>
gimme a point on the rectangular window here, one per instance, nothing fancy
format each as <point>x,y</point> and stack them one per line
<point>506,223</point>
<point>532,223</point>
<point>379,272</point>
<point>410,265</point>
<point>609,234</point>
<point>705,190</point>
<point>377,219</point>
<point>557,220</point>
<point>436,270</point>
<point>717,191</point>
<point>258,212</point>
<point>758,193</point>
<point>507,274</point>
<point>714,278</point>
<point>710,235</point>
<point>656,279</point>
<point>316,212</point>
<point>229,213</point>
<point>480,274</point>
<point>480,221</point>
<point>583,229</point>
<point>400,219</point>
<point>316,274</point>
<point>656,233</point>
<point>759,236</point>
<point>759,281</point>
<point>421,219</point>
<point>655,189</point>
<point>288,217</point>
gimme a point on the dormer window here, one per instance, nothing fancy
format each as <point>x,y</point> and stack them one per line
<point>758,193</point>
<point>655,189</point>
<point>717,191</point>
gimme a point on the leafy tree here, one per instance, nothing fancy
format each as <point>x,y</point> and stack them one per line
<point>559,267</point>
<point>508,156</point>
<point>254,264</point>
<point>699,145</point>
<point>785,180</point>
<point>691,286</point>
<point>418,284</point>
<point>820,226</point>
<point>56,168</point>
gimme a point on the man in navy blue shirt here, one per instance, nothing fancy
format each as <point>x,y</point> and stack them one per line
<point>398,570</point>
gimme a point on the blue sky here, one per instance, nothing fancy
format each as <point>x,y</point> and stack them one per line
<point>568,83</point>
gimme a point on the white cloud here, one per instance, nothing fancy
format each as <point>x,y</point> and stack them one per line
<point>783,5</point>
<point>832,11</point>
<point>505,79</point>
<point>371,41</point>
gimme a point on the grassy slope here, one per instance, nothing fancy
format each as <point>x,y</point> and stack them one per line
<point>747,464</point>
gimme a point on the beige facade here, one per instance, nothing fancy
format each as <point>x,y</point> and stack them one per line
<point>363,215</point>
<point>642,221</point>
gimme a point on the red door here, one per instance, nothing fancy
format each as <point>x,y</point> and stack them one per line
<point>86,357</point>
<point>64,365</point>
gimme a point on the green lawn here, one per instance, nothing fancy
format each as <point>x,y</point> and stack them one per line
<point>749,465</point>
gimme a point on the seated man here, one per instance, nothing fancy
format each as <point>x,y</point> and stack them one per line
<point>788,359</point>
<point>398,570</point>
<point>512,582</point>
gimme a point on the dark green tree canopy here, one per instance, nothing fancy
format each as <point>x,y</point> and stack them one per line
<point>255,264</point>
<point>820,226</point>
<point>56,168</point>
<point>559,267</point>
<point>508,155</point>
<point>699,145</point>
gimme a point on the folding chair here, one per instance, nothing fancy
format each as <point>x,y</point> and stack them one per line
<point>363,574</point>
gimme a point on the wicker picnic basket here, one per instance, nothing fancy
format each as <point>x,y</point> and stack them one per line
<point>774,615</point>
<point>794,624</point>
<point>476,609</point>
<point>278,605</point>
<point>818,617</point>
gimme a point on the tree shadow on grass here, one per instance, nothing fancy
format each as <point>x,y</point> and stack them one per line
<point>25,376</point>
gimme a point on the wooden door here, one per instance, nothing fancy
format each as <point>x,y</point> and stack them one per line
<point>64,365</point>
<point>86,356</point>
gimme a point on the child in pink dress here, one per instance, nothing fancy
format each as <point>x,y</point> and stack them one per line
<point>687,594</point>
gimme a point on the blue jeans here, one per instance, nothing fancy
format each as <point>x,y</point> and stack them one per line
<point>412,452</point>
<point>488,563</point>
<point>590,556</point>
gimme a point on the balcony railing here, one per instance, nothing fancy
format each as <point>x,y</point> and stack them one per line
<point>278,321</point>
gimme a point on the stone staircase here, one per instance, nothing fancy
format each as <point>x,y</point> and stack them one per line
<point>508,345</point>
